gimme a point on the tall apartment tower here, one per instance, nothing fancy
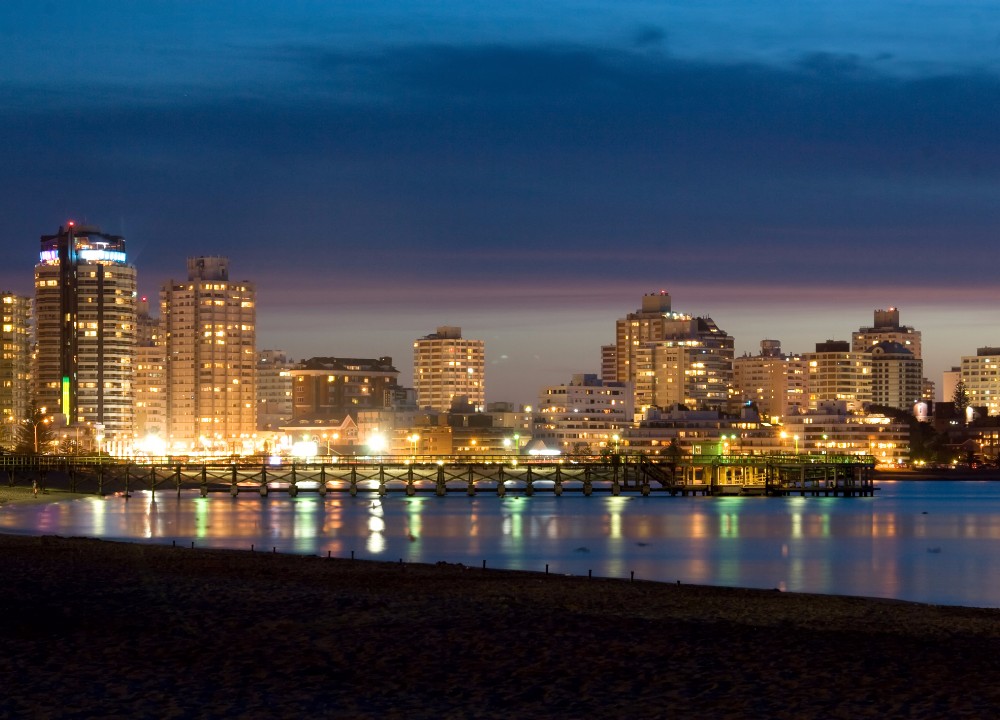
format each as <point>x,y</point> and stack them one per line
<point>274,389</point>
<point>15,363</point>
<point>85,305</point>
<point>209,326</point>
<point>671,358</point>
<point>150,376</point>
<point>897,376</point>
<point>981,375</point>
<point>773,381</point>
<point>886,328</point>
<point>447,366</point>
<point>837,373</point>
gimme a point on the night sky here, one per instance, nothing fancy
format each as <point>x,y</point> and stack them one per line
<point>525,170</point>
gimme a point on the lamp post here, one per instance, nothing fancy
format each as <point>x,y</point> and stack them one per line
<point>414,438</point>
<point>796,438</point>
<point>37,419</point>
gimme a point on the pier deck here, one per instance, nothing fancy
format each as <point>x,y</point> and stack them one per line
<point>726,475</point>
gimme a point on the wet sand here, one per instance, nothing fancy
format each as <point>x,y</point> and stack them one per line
<point>92,628</point>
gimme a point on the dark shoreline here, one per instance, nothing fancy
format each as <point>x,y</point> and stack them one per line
<point>94,628</point>
<point>986,474</point>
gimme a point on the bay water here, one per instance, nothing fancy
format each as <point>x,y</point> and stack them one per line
<point>927,541</point>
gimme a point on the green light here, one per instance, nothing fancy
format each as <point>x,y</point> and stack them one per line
<point>65,397</point>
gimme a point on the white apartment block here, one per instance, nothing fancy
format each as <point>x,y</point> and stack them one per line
<point>831,430</point>
<point>981,375</point>
<point>584,416</point>
<point>897,376</point>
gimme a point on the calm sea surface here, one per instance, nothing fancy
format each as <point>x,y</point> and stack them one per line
<point>936,542</point>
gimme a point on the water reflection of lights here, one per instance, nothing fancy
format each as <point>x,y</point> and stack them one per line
<point>149,517</point>
<point>615,507</point>
<point>414,506</point>
<point>867,548</point>
<point>376,538</point>
<point>305,523</point>
<point>100,508</point>
<point>201,513</point>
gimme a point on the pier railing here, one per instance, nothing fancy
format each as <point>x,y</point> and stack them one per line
<point>773,475</point>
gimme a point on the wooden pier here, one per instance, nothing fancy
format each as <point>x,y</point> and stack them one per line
<point>720,475</point>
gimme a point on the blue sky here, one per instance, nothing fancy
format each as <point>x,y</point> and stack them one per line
<point>524,170</point>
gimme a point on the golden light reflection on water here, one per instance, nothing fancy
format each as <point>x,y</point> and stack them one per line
<point>305,523</point>
<point>927,550</point>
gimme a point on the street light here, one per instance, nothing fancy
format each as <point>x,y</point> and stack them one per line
<point>414,438</point>
<point>37,419</point>
<point>796,438</point>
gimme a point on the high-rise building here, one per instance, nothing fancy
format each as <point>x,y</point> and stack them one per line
<point>837,373</point>
<point>981,375</point>
<point>773,381</point>
<point>447,366</point>
<point>209,325</point>
<point>274,389</point>
<point>886,328</point>
<point>897,376</point>
<point>150,380</point>
<point>15,364</point>
<point>85,305</point>
<point>671,358</point>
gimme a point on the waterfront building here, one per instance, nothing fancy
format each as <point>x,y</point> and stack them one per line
<point>274,389</point>
<point>332,388</point>
<point>886,328</point>
<point>209,325</point>
<point>897,376</point>
<point>670,358</point>
<point>699,433</point>
<point>583,416</point>
<point>85,332</point>
<point>831,429</point>
<point>775,383</point>
<point>15,364</point>
<point>309,438</point>
<point>981,375</point>
<point>150,382</point>
<point>837,373</point>
<point>445,366</point>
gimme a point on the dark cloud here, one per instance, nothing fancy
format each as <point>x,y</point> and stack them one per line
<point>649,36</point>
<point>529,160</point>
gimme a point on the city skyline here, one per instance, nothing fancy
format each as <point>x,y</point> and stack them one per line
<point>524,173</point>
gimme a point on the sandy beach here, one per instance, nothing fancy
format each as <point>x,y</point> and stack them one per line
<point>100,629</point>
